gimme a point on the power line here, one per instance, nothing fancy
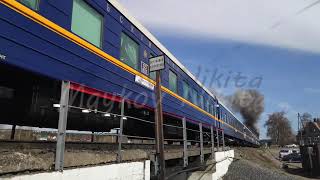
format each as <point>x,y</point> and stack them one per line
<point>308,7</point>
<point>275,25</point>
<point>278,23</point>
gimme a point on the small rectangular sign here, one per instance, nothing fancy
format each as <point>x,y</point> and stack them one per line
<point>144,68</point>
<point>157,63</point>
<point>2,57</point>
<point>144,82</point>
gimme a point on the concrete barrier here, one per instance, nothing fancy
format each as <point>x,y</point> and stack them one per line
<point>223,159</point>
<point>123,171</point>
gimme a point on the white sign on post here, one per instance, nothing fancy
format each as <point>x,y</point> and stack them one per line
<point>2,57</point>
<point>156,63</point>
<point>144,82</point>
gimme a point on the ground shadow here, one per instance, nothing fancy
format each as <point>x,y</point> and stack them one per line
<point>296,169</point>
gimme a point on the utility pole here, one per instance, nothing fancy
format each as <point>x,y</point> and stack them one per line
<point>300,127</point>
<point>157,64</point>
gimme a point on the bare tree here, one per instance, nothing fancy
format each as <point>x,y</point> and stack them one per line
<point>279,129</point>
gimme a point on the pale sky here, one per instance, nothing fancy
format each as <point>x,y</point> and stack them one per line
<point>272,22</point>
<point>275,39</point>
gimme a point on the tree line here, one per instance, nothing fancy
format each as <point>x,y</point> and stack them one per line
<point>279,128</point>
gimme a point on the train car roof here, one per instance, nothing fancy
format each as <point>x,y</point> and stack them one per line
<point>153,39</point>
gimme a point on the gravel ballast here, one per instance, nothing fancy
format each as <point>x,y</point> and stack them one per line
<point>245,170</point>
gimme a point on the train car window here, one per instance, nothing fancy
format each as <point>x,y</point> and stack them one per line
<point>194,96</point>
<point>87,22</point>
<point>198,100</point>
<point>212,109</point>
<point>207,106</point>
<point>129,52</point>
<point>153,73</point>
<point>173,81</point>
<point>33,4</point>
<point>186,90</point>
<point>6,93</point>
<point>201,102</point>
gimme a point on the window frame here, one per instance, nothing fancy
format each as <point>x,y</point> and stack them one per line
<point>201,99</point>
<point>212,109</point>
<point>207,106</point>
<point>185,84</point>
<point>194,96</point>
<point>138,44</point>
<point>176,81</point>
<point>151,76</point>
<point>102,24</point>
<point>37,7</point>
<point>153,72</point>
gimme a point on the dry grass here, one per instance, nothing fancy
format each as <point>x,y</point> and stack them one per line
<point>262,157</point>
<point>268,158</point>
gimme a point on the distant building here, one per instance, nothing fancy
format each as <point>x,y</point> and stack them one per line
<point>310,133</point>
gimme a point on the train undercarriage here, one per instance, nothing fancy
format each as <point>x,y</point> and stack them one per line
<point>32,100</point>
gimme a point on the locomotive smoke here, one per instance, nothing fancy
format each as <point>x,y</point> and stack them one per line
<point>250,104</point>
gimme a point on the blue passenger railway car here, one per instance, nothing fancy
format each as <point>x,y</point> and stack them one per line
<point>104,52</point>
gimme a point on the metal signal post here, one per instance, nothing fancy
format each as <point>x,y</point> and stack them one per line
<point>159,128</point>
<point>157,64</point>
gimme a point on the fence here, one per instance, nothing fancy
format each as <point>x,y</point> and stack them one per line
<point>187,134</point>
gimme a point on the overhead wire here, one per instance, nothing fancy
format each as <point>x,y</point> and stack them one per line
<point>300,11</point>
<point>273,26</point>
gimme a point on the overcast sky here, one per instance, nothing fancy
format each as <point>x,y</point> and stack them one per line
<point>277,40</point>
<point>271,22</point>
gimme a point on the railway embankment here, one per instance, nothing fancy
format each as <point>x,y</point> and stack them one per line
<point>25,157</point>
<point>261,164</point>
